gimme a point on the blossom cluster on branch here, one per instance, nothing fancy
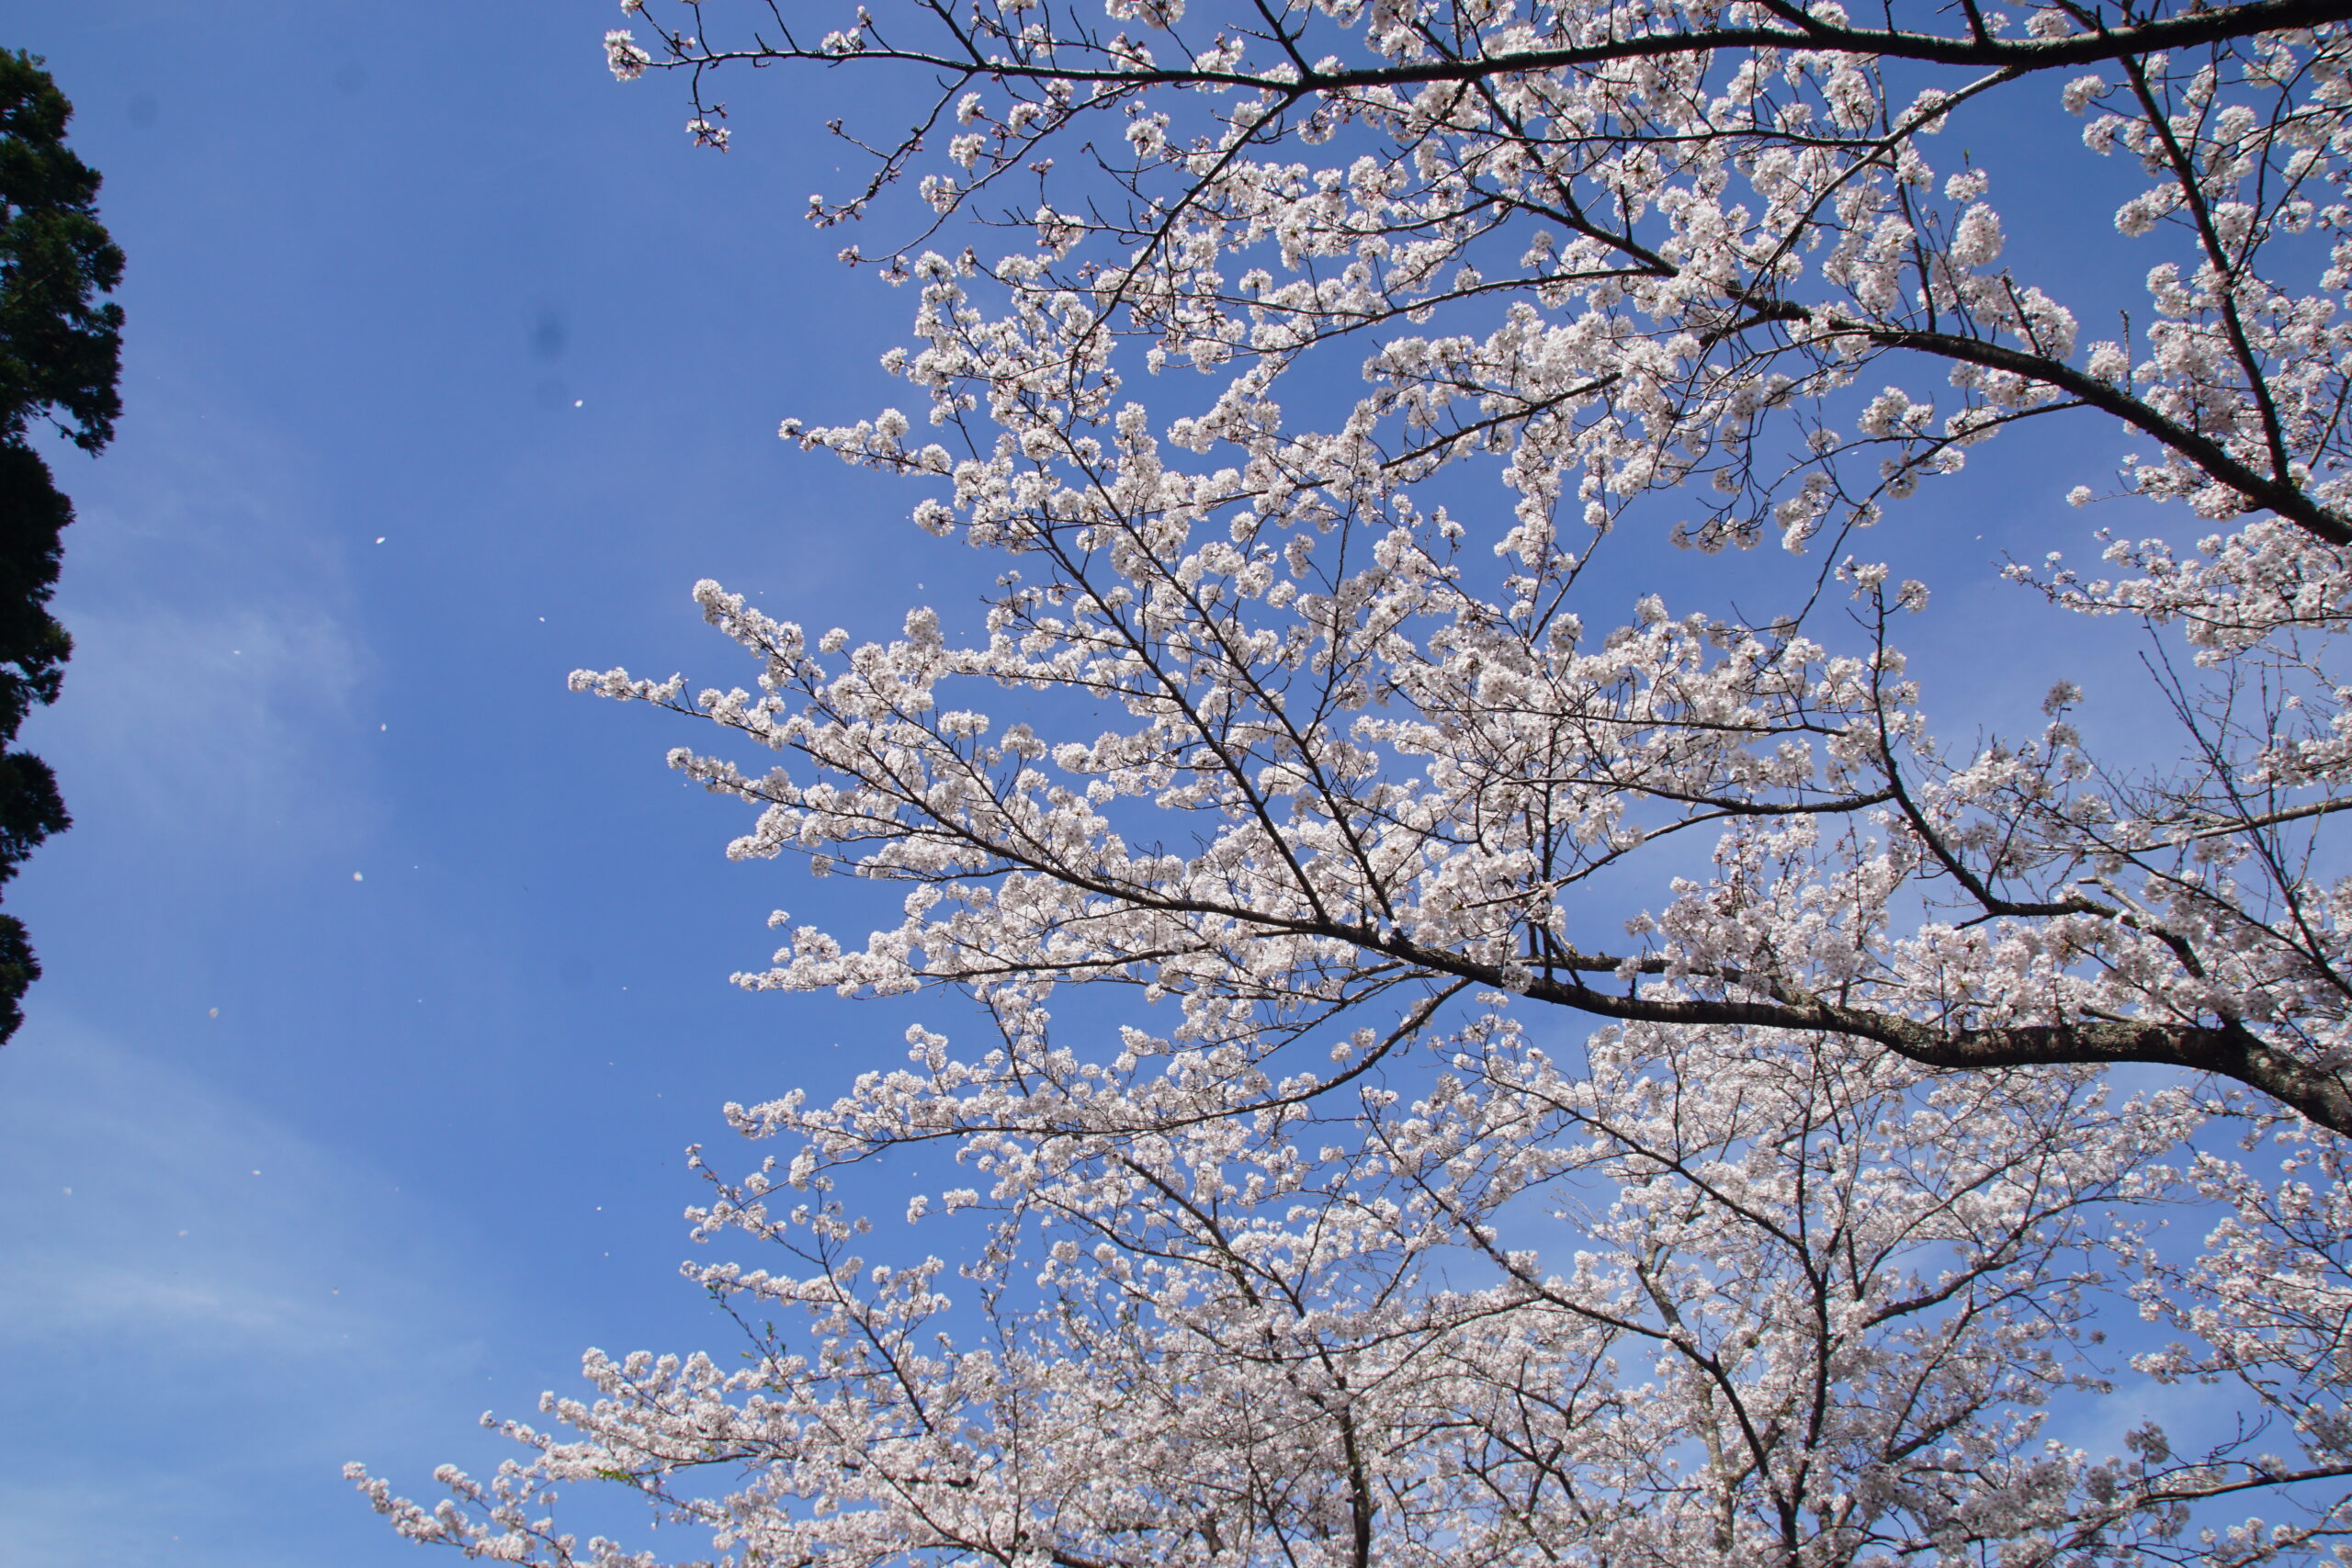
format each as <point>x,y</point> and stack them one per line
<point>1901,1068</point>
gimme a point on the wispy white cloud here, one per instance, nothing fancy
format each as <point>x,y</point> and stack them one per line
<point>208,717</point>
<point>199,1298</point>
<point>142,1200</point>
<point>209,609</point>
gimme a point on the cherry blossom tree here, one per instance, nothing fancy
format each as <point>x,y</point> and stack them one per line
<point>1600,1078</point>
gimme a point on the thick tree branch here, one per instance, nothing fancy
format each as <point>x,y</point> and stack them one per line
<point>2189,29</point>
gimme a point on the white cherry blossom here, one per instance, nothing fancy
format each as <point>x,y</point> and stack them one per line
<point>1604,1081</point>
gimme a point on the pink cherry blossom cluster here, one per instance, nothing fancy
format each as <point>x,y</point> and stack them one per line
<point>1604,1083</point>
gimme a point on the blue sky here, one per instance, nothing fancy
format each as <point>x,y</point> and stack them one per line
<point>386,978</point>
<point>430,277</point>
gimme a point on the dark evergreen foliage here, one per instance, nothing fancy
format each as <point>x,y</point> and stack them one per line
<point>61,361</point>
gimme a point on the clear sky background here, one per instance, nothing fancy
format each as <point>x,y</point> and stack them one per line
<point>386,979</point>
<point>426,275</point>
